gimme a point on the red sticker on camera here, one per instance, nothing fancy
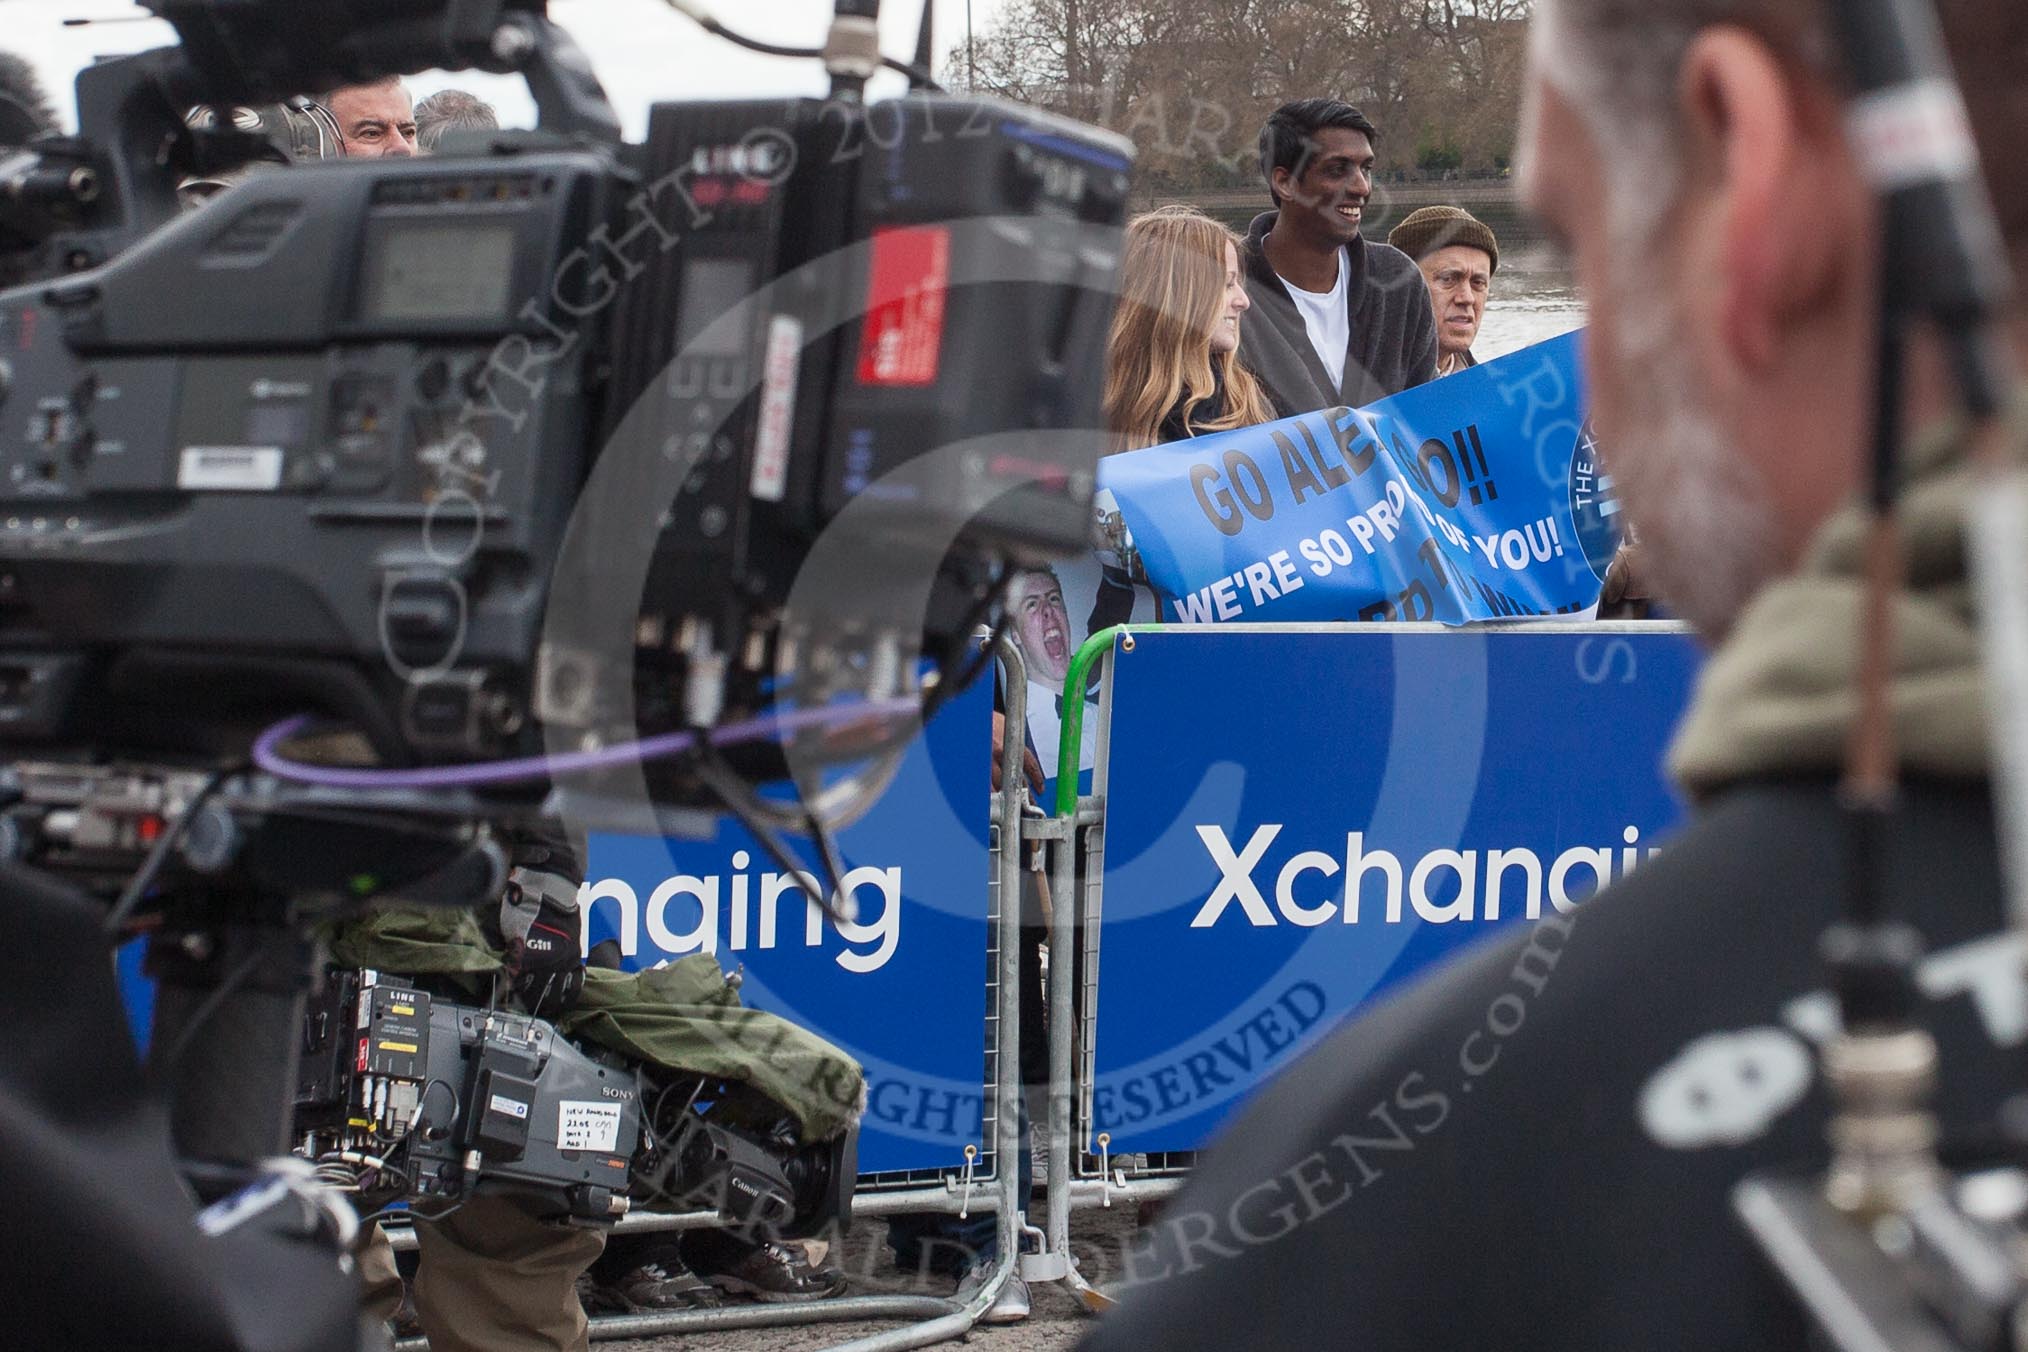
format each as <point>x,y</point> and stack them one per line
<point>901,342</point>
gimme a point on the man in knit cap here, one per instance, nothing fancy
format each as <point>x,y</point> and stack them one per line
<point>1458,255</point>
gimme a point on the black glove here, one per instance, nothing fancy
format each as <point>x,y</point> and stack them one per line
<point>544,933</point>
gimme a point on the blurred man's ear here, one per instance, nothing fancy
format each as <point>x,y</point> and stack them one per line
<point>1775,189</point>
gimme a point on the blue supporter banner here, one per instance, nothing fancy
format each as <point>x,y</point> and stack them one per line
<point>1474,497</point>
<point>1297,822</point>
<point>902,989</point>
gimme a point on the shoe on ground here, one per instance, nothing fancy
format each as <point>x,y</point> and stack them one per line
<point>652,1288</point>
<point>774,1272</point>
<point>1011,1306</point>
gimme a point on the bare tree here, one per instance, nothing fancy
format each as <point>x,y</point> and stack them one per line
<point>1191,80</point>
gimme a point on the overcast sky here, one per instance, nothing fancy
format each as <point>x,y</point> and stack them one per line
<point>644,51</point>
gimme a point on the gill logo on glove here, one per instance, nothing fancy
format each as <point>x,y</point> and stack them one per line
<point>546,941</point>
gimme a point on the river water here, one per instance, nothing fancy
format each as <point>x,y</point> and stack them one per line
<point>1534,297</point>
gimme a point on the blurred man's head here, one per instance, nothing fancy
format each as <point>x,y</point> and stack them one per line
<point>449,111</point>
<point>375,120</point>
<point>1694,155</point>
<point>25,111</point>
<point>1458,255</point>
<point>1041,625</point>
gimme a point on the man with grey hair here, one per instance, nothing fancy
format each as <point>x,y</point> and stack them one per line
<point>449,111</point>
<point>1535,1146</point>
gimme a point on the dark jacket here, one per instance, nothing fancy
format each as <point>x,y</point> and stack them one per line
<point>1113,603</point>
<point>1394,337</point>
<point>1173,426</point>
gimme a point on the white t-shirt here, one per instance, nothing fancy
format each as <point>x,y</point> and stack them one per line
<point>1045,730</point>
<point>1327,318</point>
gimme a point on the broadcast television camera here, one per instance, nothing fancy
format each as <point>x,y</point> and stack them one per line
<point>521,450</point>
<point>340,441</point>
<point>402,1095</point>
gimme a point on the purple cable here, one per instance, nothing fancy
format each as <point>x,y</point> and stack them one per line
<point>763,728</point>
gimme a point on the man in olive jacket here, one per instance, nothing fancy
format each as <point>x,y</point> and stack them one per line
<point>1537,1146</point>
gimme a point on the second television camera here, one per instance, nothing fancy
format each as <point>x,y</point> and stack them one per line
<point>344,440</point>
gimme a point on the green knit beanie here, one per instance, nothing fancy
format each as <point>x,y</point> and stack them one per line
<point>1428,229</point>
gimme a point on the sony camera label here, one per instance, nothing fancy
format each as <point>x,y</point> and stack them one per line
<point>239,469</point>
<point>584,1125</point>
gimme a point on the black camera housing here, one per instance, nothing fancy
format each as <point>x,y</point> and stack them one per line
<point>479,452</point>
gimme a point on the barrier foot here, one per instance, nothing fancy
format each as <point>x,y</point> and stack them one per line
<point>955,1324</point>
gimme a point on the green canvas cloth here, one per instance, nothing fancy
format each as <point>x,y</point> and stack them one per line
<point>684,1017</point>
<point>1778,696</point>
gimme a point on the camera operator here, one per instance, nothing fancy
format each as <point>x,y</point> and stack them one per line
<point>1536,1146</point>
<point>375,121</point>
<point>492,1276</point>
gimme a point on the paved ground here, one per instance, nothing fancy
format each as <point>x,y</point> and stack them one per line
<point>1058,1322</point>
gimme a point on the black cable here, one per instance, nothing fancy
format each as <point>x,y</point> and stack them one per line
<point>422,1104</point>
<point>407,1205</point>
<point>717,29</point>
<point>949,688</point>
<point>942,691</point>
<point>808,788</point>
<point>917,75</point>
<point>723,780</point>
<point>151,866</point>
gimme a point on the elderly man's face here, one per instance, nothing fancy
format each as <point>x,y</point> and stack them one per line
<point>1042,625</point>
<point>1459,278</point>
<point>376,121</point>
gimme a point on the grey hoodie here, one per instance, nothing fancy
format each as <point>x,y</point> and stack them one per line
<point>1394,337</point>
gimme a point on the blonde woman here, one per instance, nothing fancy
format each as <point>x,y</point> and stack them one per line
<point>1172,364</point>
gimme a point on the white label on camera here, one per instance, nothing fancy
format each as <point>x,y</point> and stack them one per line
<point>512,1107</point>
<point>239,469</point>
<point>783,362</point>
<point>582,1125</point>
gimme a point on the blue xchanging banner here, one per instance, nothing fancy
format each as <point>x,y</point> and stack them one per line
<point>1297,822</point>
<point>903,989</point>
<point>1474,497</point>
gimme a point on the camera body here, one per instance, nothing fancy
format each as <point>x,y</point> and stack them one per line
<point>458,450</point>
<point>260,449</point>
<point>468,1099</point>
<point>445,1100</point>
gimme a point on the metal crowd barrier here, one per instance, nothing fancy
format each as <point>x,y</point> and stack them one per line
<point>1079,1171</point>
<point>1075,834</point>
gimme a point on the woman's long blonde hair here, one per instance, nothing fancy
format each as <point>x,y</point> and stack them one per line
<point>1172,293</point>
